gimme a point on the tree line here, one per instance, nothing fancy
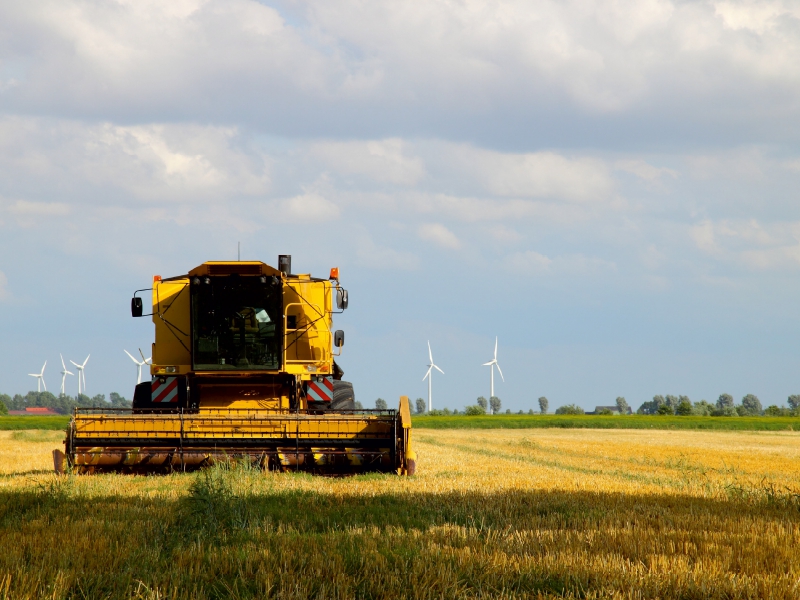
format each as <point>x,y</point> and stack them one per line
<point>62,404</point>
<point>725,406</point>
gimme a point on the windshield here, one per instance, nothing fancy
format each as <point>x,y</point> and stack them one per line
<point>236,323</point>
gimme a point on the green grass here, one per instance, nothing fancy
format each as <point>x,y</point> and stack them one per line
<point>524,422</point>
<point>607,422</point>
<point>18,423</point>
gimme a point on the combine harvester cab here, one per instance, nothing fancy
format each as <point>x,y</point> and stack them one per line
<point>243,368</point>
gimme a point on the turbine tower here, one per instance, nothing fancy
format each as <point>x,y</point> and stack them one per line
<point>492,364</point>
<point>64,374</point>
<point>139,365</point>
<point>429,377</point>
<point>40,379</point>
<point>81,373</point>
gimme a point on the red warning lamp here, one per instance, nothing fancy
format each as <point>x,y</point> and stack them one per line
<point>156,278</point>
<point>335,273</point>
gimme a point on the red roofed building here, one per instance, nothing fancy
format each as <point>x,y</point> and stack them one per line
<point>34,411</point>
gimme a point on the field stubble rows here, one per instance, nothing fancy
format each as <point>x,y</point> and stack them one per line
<point>492,513</point>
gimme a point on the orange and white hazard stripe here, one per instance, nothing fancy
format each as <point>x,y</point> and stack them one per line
<point>164,389</point>
<point>320,391</point>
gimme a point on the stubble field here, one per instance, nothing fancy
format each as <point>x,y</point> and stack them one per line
<point>491,513</point>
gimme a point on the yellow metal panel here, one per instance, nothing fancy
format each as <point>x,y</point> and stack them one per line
<point>172,320</point>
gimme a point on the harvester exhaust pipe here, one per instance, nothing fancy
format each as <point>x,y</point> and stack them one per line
<point>285,263</point>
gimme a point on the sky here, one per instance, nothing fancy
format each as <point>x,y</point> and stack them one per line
<point>611,188</point>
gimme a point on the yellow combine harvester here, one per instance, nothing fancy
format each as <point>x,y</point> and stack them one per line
<point>243,366</point>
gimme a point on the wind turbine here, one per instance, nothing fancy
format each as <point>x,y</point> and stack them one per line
<point>64,374</point>
<point>430,378</point>
<point>492,364</point>
<point>40,379</point>
<point>139,365</point>
<point>81,373</point>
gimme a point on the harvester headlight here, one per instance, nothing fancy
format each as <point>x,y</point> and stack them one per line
<point>196,281</point>
<point>171,369</point>
<point>207,280</point>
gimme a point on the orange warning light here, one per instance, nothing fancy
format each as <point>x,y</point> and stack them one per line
<point>335,273</point>
<point>156,278</point>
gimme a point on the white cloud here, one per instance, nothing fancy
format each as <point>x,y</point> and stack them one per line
<point>171,162</point>
<point>372,255</point>
<point>536,175</point>
<point>381,160</point>
<point>531,262</point>
<point>644,170</point>
<point>309,206</point>
<point>758,16</point>
<point>750,243</point>
<point>438,234</point>
<point>24,208</point>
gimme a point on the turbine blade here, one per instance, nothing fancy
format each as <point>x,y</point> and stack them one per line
<point>87,360</point>
<point>43,383</point>
<point>129,354</point>
<point>427,374</point>
<point>491,362</point>
<point>501,373</point>
<point>33,374</point>
<point>430,354</point>
<point>76,364</point>
<point>438,369</point>
<point>63,366</point>
<point>495,347</point>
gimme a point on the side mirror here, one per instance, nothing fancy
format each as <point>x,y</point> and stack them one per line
<point>338,338</point>
<point>341,299</point>
<point>136,307</point>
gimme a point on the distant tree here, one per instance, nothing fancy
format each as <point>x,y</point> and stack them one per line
<point>543,404</point>
<point>622,405</point>
<point>651,407</point>
<point>481,401</point>
<point>751,405</point>
<point>475,410</point>
<point>776,411</point>
<point>665,409</point>
<point>684,399</point>
<point>455,411</point>
<point>604,411</point>
<point>728,411</point>
<point>672,402</point>
<point>380,404</point>
<point>530,412</point>
<point>118,401</point>
<point>508,411</point>
<point>570,409</point>
<point>684,408</point>
<point>3,407</point>
<point>420,406</point>
<point>357,405</point>
<point>521,412</point>
<point>495,403</point>
<point>794,401</point>
<point>702,409</point>
<point>724,401</point>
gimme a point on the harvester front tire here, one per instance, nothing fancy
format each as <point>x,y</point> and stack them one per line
<point>344,397</point>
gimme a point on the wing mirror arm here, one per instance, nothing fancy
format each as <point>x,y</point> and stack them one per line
<point>137,307</point>
<point>338,340</point>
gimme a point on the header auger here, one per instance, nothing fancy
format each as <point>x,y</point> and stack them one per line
<point>243,368</point>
